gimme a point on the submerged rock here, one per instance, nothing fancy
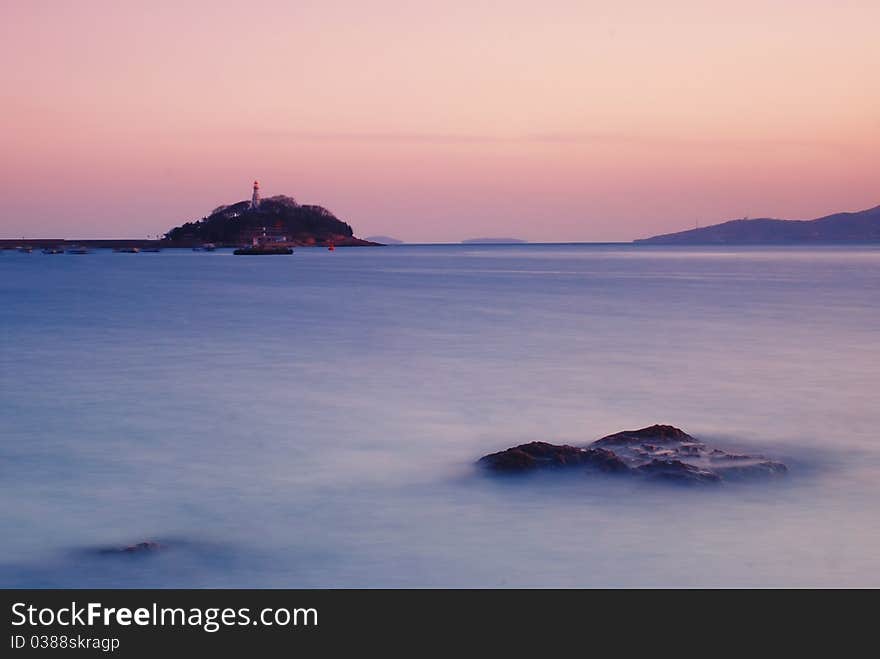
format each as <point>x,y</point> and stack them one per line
<point>146,547</point>
<point>658,452</point>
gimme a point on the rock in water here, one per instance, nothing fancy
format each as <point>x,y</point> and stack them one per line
<point>676,470</point>
<point>673,447</point>
<point>656,433</point>
<point>541,454</point>
<point>146,547</point>
<point>658,452</point>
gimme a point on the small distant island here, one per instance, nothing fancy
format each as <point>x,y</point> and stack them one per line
<point>384,240</point>
<point>279,220</point>
<point>858,227</point>
<point>493,241</point>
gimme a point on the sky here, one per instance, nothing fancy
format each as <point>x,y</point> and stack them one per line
<point>437,121</point>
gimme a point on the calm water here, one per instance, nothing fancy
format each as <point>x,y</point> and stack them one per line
<point>312,421</point>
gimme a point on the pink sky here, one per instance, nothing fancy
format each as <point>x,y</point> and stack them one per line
<point>437,121</point>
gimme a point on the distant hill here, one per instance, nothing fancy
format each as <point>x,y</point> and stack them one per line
<point>279,217</point>
<point>492,241</point>
<point>384,240</point>
<point>859,227</point>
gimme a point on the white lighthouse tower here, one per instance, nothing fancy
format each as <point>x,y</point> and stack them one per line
<point>255,199</point>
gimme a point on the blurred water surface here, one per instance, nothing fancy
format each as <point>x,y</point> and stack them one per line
<point>312,421</point>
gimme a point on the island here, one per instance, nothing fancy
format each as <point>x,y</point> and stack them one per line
<point>493,241</point>
<point>384,240</point>
<point>279,220</point>
<point>858,227</point>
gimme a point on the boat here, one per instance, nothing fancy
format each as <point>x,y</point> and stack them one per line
<point>262,250</point>
<point>126,250</point>
<point>25,249</point>
<point>331,247</point>
<point>52,250</point>
<point>207,247</point>
<point>77,249</point>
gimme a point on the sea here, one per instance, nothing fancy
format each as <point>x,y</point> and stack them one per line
<point>313,421</point>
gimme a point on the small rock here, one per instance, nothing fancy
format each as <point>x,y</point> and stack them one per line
<point>656,434</point>
<point>146,547</point>
<point>659,452</point>
<point>541,454</point>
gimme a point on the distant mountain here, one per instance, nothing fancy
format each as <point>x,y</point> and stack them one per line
<point>860,227</point>
<point>384,240</point>
<point>492,241</point>
<point>279,217</point>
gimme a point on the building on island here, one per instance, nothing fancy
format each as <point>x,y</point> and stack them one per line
<point>255,199</point>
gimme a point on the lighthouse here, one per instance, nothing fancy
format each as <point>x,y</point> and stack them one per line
<point>255,199</point>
